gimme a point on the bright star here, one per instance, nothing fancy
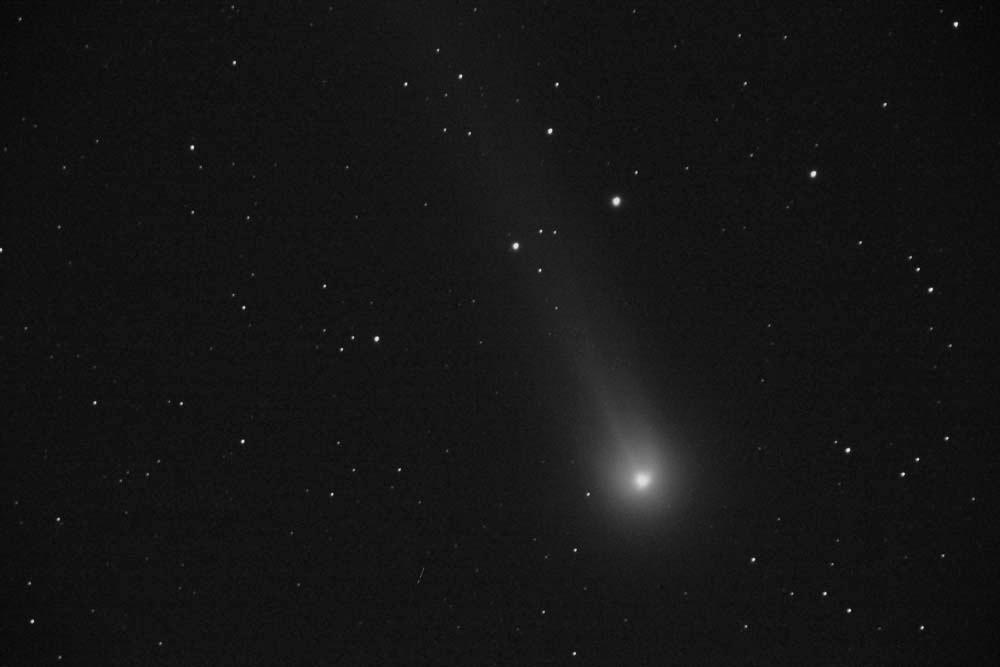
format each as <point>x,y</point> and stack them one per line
<point>616,201</point>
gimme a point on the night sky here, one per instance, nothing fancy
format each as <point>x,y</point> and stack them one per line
<point>498,334</point>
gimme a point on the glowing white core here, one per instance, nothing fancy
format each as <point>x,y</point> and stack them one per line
<point>642,480</point>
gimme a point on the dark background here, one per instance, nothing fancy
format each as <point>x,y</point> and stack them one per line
<point>209,460</point>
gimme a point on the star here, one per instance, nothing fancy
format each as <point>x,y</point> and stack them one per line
<point>616,201</point>
<point>642,479</point>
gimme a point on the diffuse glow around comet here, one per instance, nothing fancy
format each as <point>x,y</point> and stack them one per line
<point>634,462</point>
<point>637,456</point>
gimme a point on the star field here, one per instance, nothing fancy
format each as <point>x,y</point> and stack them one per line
<point>450,333</point>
